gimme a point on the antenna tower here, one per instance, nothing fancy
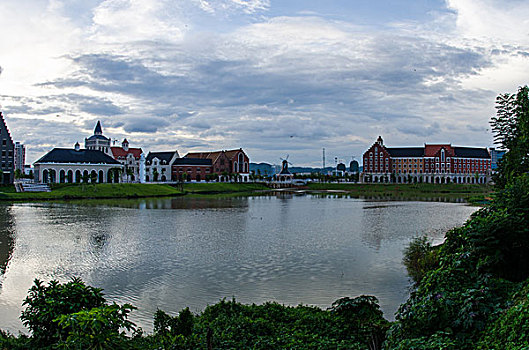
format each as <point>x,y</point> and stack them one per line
<point>324,158</point>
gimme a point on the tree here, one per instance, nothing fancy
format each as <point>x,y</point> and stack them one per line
<point>18,174</point>
<point>129,172</point>
<point>511,132</point>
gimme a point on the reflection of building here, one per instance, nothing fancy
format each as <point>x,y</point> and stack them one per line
<point>130,158</point>
<point>7,150</point>
<point>20,156</point>
<point>441,163</point>
<point>97,141</point>
<point>7,237</point>
<point>65,165</point>
<point>231,163</point>
<point>158,166</point>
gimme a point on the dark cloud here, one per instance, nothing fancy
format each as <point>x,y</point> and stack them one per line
<point>144,125</point>
<point>423,130</point>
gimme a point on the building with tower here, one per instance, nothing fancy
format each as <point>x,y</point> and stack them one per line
<point>435,163</point>
<point>7,150</point>
<point>130,158</point>
<point>97,141</point>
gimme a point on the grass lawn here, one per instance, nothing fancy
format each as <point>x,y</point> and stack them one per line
<point>78,191</point>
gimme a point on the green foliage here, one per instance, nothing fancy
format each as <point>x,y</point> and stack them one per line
<point>511,128</point>
<point>45,304</point>
<point>419,258</point>
<point>9,341</point>
<point>97,328</point>
<point>511,329</point>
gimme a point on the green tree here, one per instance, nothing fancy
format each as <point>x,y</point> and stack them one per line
<point>511,132</point>
<point>44,304</point>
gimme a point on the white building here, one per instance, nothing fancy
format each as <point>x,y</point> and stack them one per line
<point>158,166</point>
<point>65,165</point>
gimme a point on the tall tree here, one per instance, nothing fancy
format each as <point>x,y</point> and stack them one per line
<point>511,132</point>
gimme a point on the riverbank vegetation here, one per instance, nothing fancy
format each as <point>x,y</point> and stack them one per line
<point>73,315</point>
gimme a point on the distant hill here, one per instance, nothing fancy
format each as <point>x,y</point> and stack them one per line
<point>268,169</point>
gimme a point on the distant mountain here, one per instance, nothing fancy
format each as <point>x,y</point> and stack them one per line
<point>268,169</point>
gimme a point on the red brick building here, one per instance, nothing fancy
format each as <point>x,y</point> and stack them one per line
<point>228,164</point>
<point>442,163</point>
<point>192,169</point>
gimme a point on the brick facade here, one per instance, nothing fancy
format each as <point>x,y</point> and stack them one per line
<point>440,163</point>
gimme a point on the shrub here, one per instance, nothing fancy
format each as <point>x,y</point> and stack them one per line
<point>45,304</point>
<point>97,328</point>
<point>419,258</point>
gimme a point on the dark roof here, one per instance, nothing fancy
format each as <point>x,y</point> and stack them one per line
<point>406,151</point>
<point>98,129</point>
<point>68,155</point>
<point>193,161</point>
<point>101,137</point>
<point>166,156</point>
<point>471,152</point>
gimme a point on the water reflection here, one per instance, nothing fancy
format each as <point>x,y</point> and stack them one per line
<point>7,238</point>
<point>175,252</point>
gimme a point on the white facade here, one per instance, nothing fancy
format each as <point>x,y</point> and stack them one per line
<point>74,173</point>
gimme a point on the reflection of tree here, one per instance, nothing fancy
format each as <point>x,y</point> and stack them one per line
<point>7,237</point>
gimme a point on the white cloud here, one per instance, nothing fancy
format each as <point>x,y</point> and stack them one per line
<point>278,84</point>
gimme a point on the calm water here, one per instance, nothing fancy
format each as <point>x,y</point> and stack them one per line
<point>173,253</point>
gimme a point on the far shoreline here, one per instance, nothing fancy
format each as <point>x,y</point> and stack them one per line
<point>474,194</point>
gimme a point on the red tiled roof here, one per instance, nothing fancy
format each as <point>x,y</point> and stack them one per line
<point>214,155</point>
<point>120,152</point>
<point>431,150</point>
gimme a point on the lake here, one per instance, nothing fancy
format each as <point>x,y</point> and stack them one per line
<point>181,252</point>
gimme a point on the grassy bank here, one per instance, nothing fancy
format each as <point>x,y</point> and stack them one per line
<point>78,191</point>
<point>473,193</point>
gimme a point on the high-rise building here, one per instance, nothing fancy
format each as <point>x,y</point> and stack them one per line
<point>20,156</point>
<point>7,151</point>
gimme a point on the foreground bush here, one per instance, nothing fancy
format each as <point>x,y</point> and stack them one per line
<point>74,315</point>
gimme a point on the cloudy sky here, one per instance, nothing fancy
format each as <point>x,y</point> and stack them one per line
<point>275,77</point>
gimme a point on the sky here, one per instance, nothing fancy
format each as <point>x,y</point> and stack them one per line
<point>274,77</point>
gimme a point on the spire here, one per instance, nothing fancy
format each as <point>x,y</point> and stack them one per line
<point>77,146</point>
<point>98,130</point>
<point>125,145</point>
